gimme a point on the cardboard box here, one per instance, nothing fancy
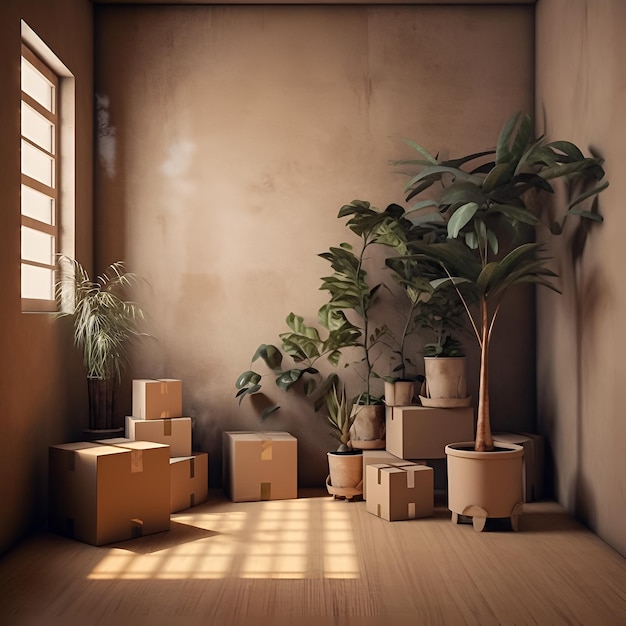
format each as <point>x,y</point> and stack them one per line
<point>102,492</point>
<point>418,432</point>
<point>260,465</point>
<point>189,481</point>
<point>532,467</point>
<point>173,431</point>
<point>370,457</point>
<point>400,491</point>
<point>157,399</point>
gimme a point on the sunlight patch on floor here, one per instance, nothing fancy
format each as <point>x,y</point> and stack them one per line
<point>278,539</point>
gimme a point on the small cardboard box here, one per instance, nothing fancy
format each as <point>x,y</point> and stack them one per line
<point>189,482</point>
<point>532,462</point>
<point>371,457</point>
<point>260,465</point>
<point>157,399</point>
<point>173,431</point>
<point>418,432</point>
<point>102,492</point>
<point>400,491</point>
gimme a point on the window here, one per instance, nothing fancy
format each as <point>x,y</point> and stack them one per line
<point>40,175</point>
<point>47,169</point>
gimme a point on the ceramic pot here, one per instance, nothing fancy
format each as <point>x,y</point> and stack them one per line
<point>368,429</point>
<point>446,382</point>
<point>399,393</point>
<point>485,484</point>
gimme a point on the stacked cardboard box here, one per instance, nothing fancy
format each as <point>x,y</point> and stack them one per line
<point>533,461</point>
<point>260,465</point>
<point>158,417</point>
<point>101,492</point>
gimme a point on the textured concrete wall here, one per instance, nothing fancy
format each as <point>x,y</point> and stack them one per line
<point>581,95</point>
<point>229,137</point>
<point>41,385</point>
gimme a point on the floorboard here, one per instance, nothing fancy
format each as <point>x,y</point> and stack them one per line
<point>317,560</point>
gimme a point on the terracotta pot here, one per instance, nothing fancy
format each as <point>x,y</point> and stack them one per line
<point>368,428</point>
<point>485,484</point>
<point>446,382</point>
<point>399,393</point>
<point>346,471</point>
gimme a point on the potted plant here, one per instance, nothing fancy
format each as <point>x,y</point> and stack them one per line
<point>488,201</point>
<point>345,465</point>
<point>104,323</point>
<point>352,296</point>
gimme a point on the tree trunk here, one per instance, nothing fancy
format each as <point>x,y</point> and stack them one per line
<point>100,403</point>
<point>484,440</point>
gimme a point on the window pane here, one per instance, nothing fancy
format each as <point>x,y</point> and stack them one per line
<point>37,246</point>
<point>37,86</point>
<point>37,205</point>
<point>37,283</point>
<point>37,128</point>
<point>37,164</point>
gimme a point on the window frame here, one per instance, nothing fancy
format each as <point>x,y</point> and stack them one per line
<point>52,192</point>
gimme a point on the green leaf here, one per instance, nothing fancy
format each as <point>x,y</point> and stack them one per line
<point>429,157</point>
<point>246,378</point>
<point>270,354</point>
<point>503,154</point>
<point>460,218</point>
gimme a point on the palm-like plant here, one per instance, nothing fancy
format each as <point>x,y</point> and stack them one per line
<point>488,208</point>
<point>340,415</point>
<point>104,326</point>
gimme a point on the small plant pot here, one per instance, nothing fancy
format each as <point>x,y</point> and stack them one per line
<point>399,393</point>
<point>446,382</point>
<point>345,478</point>
<point>368,429</point>
<point>485,485</point>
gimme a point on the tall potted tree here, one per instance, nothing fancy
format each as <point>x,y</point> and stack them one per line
<point>104,323</point>
<point>488,201</point>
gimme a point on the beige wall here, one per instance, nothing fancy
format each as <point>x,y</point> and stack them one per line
<point>41,383</point>
<point>581,91</point>
<point>229,139</point>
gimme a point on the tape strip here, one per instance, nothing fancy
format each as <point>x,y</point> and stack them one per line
<point>411,510</point>
<point>167,427</point>
<point>266,450</point>
<point>192,467</point>
<point>136,461</point>
<point>266,491</point>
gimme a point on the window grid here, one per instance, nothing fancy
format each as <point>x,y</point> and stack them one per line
<point>41,100</point>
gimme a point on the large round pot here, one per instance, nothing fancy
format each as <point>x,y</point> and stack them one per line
<point>345,476</point>
<point>485,484</point>
<point>368,429</point>
<point>446,382</point>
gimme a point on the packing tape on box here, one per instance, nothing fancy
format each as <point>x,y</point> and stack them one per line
<point>192,500</point>
<point>167,427</point>
<point>411,509</point>
<point>266,491</point>
<point>192,467</point>
<point>266,450</point>
<point>163,388</point>
<point>410,480</point>
<point>136,461</point>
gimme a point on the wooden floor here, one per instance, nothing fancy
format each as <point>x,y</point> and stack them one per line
<point>316,560</point>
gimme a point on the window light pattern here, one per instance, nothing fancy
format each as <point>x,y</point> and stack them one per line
<point>308,538</point>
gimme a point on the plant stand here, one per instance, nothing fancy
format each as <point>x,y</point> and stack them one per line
<point>347,493</point>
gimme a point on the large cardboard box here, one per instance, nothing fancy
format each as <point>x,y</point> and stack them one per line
<point>417,432</point>
<point>173,431</point>
<point>157,399</point>
<point>101,492</point>
<point>532,477</point>
<point>189,482</point>
<point>400,491</point>
<point>260,465</point>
